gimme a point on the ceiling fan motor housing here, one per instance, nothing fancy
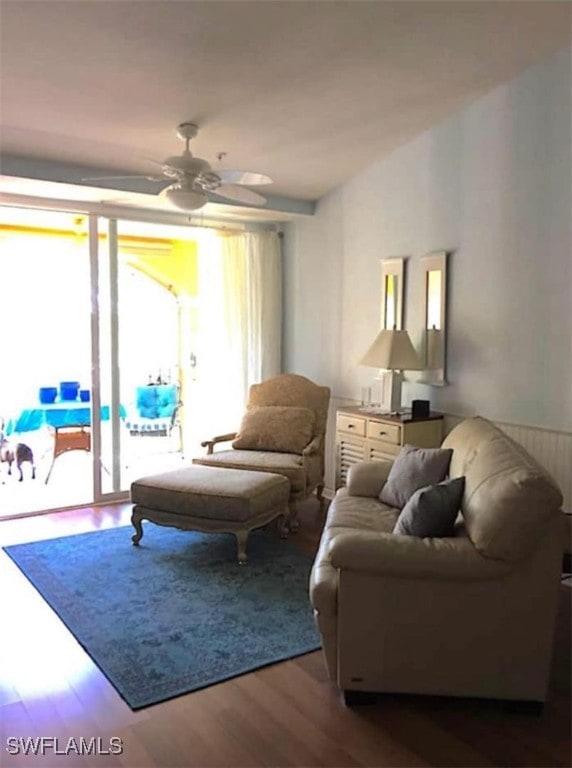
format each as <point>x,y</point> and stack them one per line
<point>184,165</point>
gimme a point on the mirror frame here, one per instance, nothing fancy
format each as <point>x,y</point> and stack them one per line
<point>393,268</point>
<point>434,342</point>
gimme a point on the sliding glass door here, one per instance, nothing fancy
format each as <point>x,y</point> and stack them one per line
<point>144,342</point>
<point>45,360</point>
<point>98,355</point>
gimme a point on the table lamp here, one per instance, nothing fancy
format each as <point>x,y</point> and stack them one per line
<point>393,351</point>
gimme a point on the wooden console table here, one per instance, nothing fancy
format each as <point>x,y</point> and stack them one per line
<point>362,435</point>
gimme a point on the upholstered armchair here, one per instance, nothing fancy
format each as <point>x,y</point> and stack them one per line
<point>282,431</point>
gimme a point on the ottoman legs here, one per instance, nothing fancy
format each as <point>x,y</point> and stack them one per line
<point>165,518</point>
<point>241,539</point>
<point>136,518</point>
<point>293,523</point>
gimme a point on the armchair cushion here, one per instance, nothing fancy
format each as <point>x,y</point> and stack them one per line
<point>157,401</point>
<point>288,464</point>
<point>284,429</point>
<point>412,469</point>
<point>432,510</point>
<point>146,397</point>
<point>148,412</point>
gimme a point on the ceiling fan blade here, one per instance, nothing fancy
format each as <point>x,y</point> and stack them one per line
<point>117,178</point>
<point>240,194</point>
<point>243,177</point>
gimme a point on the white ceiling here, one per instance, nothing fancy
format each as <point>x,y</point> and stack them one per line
<point>306,92</point>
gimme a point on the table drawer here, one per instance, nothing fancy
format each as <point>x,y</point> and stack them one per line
<point>352,424</point>
<point>389,433</point>
<point>377,449</point>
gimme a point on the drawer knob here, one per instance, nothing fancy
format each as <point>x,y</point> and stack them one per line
<point>351,426</point>
<point>382,433</point>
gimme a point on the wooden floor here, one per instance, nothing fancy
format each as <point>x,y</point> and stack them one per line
<point>287,714</point>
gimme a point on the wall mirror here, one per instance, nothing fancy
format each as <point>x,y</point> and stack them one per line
<point>392,278</point>
<point>434,339</point>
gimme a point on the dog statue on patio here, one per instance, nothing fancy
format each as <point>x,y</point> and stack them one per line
<point>15,452</point>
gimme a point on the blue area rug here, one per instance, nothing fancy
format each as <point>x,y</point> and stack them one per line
<point>176,613</point>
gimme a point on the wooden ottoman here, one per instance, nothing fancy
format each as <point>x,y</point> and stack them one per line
<point>212,500</point>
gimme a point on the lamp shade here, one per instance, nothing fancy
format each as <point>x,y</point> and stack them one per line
<point>392,350</point>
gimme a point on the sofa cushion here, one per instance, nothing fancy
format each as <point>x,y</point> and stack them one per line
<point>508,495</point>
<point>361,513</point>
<point>432,511</point>
<point>284,429</point>
<point>412,469</point>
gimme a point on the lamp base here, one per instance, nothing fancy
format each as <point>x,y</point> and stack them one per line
<point>391,391</point>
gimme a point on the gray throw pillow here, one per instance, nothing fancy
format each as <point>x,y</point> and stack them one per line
<point>414,468</point>
<point>432,511</point>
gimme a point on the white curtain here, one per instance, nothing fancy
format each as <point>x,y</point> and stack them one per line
<point>240,312</point>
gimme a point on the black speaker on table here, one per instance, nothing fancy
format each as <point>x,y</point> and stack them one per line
<point>419,409</point>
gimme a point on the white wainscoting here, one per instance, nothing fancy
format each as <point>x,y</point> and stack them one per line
<point>551,448</point>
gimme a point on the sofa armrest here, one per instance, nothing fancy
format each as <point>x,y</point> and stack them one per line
<point>366,478</point>
<point>389,554</point>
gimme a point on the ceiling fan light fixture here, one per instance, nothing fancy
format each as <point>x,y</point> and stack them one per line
<point>186,198</point>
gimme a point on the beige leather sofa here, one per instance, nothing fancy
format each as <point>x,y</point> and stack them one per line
<point>470,615</point>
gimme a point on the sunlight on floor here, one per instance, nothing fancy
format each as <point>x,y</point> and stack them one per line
<point>32,667</point>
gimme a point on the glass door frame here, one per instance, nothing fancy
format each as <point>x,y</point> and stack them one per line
<point>95,254</point>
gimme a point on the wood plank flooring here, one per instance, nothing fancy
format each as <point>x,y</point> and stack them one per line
<point>287,714</point>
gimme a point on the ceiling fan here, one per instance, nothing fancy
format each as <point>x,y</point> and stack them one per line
<point>192,180</point>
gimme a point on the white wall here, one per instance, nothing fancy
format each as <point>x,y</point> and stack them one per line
<point>492,185</point>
